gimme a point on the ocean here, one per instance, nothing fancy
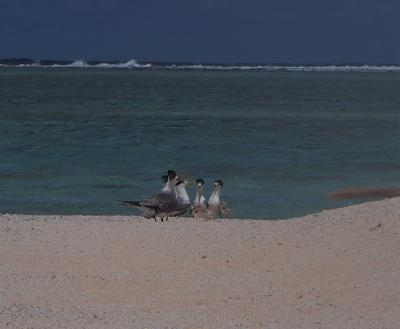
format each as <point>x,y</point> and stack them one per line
<point>75,140</point>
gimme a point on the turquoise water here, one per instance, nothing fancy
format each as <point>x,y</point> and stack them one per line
<point>77,140</point>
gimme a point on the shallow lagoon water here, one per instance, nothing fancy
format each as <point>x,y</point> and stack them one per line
<point>77,140</point>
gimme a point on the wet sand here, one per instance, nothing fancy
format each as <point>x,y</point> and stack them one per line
<point>336,269</point>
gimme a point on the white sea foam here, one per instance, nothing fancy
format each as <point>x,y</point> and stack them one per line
<point>322,68</point>
<point>78,63</point>
<point>344,68</point>
<point>133,64</point>
<point>35,64</point>
<point>129,64</point>
<point>215,67</point>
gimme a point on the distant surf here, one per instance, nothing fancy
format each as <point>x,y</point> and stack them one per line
<point>133,64</point>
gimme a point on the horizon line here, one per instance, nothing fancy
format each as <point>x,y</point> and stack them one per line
<point>33,60</point>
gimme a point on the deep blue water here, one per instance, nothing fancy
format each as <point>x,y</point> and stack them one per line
<point>77,140</point>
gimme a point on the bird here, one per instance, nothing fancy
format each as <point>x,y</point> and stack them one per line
<point>216,208</point>
<point>213,208</point>
<point>180,204</point>
<point>199,207</point>
<point>183,203</point>
<point>161,203</point>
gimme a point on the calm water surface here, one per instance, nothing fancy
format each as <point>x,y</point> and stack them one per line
<point>77,140</point>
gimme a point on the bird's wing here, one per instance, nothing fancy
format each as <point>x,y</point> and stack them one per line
<point>143,204</point>
<point>158,201</point>
<point>180,209</point>
<point>167,201</point>
<point>148,212</point>
<point>135,204</point>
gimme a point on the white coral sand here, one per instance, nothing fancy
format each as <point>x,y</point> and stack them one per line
<point>336,269</point>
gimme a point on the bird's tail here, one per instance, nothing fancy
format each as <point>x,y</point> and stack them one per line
<point>135,204</point>
<point>364,193</point>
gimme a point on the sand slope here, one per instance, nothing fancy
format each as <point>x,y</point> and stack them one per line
<point>336,269</point>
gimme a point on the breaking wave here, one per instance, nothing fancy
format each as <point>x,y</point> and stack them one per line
<point>77,63</point>
<point>129,64</point>
<point>133,64</point>
<point>80,63</point>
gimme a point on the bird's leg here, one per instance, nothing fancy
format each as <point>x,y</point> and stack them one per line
<point>155,218</point>
<point>166,219</point>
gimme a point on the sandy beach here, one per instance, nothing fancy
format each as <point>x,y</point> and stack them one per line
<point>336,269</point>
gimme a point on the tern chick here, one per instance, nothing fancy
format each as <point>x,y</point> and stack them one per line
<point>217,208</point>
<point>199,207</point>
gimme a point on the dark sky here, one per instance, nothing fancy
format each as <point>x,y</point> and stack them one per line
<point>297,31</point>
